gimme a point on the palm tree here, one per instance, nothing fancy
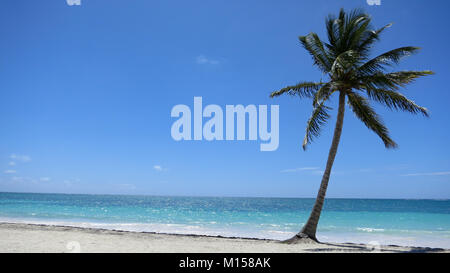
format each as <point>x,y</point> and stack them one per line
<point>357,79</point>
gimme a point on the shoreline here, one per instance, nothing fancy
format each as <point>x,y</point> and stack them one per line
<point>23,237</point>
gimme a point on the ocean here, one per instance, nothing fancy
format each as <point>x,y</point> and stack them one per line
<point>378,221</point>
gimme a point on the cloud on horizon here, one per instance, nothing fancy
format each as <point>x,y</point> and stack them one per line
<point>427,174</point>
<point>300,169</point>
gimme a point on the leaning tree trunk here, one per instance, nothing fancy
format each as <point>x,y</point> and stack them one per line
<point>308,231</point>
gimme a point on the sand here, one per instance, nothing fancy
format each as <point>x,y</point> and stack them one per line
<point>57,239</point>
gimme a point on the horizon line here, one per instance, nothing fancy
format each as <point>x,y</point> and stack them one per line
<point>217,196</point>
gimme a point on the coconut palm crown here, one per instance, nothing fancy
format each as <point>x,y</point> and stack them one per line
<point>358,80</point>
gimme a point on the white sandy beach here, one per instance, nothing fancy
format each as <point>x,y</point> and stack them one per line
<point>57,239</point>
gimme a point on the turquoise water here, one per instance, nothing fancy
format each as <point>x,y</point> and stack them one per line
<point>401,222</point>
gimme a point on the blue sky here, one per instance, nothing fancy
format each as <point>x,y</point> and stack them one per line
<point>86,93</point>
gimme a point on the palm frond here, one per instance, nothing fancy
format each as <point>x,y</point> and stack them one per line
<point>370,118</point>
<point>396,101</point>
<point>346,31</point>
<point>303,89</point>
<point>318,118</point>
<point>331,24</point>
<point>389,58</point>
<point>323,93</point>
<point>402,78</point>
<point>392,81</point>
<point>316,49</point>
<point>369,37</point>
<point>355,23</point>
<point>359,33</point>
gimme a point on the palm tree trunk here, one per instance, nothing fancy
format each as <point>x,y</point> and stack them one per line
<point>309,229</point>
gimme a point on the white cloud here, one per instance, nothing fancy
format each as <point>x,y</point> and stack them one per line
<point>12,163</point>
<point>21,158</point>
<point>204,60</point>
<point>24,180</point>
<point>45,179</point>
<point>10,171</point>
<point>300,169</point>
<point>158,168</point>
<point>427,174</point>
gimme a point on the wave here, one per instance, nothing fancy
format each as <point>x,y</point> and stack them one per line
<point>166,228</point>
<point>366,229</point>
